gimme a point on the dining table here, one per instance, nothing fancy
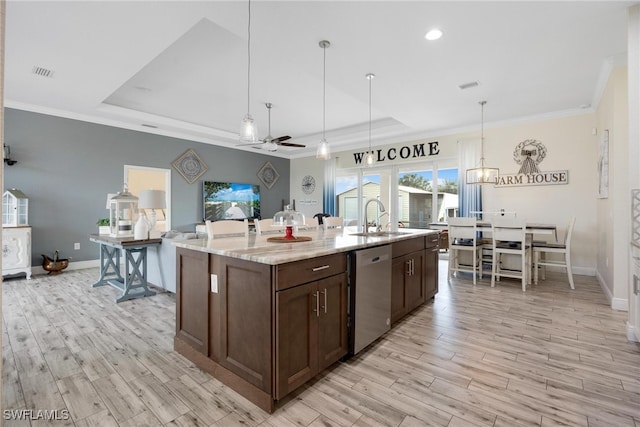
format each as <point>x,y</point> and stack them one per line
<point>485,226</point>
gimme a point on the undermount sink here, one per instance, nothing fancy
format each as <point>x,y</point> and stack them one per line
<point>379,233</point>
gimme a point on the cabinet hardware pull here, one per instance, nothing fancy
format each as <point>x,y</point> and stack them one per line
<point>408,268</point>
<point>325,300</point>
<point>635,285</point>
<point>316,295</point>
<point>324,267</point>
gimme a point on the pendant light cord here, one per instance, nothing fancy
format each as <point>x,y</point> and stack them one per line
<point>370,77</point>
<point>324,89</point>
<point>482,133</point>
<point>249,59</point>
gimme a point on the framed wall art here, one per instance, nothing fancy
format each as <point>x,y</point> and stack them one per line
<point>268,175</point>
<point>190,166</point>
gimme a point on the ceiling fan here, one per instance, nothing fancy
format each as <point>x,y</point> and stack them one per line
<point>269,143</point>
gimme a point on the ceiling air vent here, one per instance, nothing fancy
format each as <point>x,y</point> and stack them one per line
<point>41,71</point>
<point>468,85</point>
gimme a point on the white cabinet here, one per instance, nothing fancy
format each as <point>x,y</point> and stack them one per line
<point>16,250</point>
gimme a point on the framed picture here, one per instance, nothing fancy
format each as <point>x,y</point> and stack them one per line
<point>603,166</point>
<point>190,166</point>
<point>268,175</point>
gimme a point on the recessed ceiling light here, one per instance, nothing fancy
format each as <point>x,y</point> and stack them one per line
<point>434,34</point>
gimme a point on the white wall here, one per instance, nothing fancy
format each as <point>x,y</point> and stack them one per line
<point>613,213</point>
<point>570,146</point>
<point>308,204</point>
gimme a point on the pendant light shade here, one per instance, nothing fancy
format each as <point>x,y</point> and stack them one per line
<point>248,128</point>
<point>483,174</point>
<point>324,151</point>
<point>369,159</point>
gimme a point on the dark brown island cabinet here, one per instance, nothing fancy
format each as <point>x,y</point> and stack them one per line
<point>264,330</point>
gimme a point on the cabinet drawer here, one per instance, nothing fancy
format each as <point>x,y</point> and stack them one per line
<point>432,240</point>
<point>308,270</point>
<point>404,247</point>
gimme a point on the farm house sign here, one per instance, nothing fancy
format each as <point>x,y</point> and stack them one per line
<point>529,154</point>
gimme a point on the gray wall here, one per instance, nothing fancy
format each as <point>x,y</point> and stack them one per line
<point>67,167</point>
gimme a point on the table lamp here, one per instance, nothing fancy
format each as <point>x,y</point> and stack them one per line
<point>152,199</point>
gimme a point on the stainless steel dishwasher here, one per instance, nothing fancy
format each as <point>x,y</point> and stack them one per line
<point>370,295</point>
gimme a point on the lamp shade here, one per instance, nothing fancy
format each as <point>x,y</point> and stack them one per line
<point>152,199</point>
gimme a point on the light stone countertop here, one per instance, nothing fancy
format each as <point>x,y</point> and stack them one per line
<point>257,249</point>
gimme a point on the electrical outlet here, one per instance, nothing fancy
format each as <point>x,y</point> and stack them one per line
<point>76,246</point>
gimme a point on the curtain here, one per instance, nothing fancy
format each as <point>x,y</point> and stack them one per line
<point>469,196</point>
<point>329,192</point>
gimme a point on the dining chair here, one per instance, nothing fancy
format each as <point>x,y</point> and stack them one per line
<point>265,226</point>
<point>227,228</point>
<point>310,223</point>
<point>510,238</point>
<point>541,249</point>
<point>463,237</point>
<point>332,222</point>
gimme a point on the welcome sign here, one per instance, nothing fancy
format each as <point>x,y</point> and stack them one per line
<point>529,154</point>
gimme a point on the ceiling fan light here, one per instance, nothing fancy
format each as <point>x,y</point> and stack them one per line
<point>324,152</point>
<point>248,130</point>
<point>269,145</point>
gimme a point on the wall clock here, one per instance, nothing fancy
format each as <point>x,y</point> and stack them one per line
<point>308,184</point>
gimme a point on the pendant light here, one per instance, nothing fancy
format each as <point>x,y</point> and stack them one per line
<point>483,174</point>
<point>324,151</point>
<point>248,128</point>
<point>369,159</point>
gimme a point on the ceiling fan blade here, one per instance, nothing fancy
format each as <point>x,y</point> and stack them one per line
<point>291,144</point>
<point>251,144</point>
<point>281,138</point>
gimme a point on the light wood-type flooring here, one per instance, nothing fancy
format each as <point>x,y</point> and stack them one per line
<point>476,356</point>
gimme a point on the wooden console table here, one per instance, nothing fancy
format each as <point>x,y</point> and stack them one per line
<point>134,282</point>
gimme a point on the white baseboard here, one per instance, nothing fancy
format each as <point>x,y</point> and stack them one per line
<point>620,304</point>
<point>632,334</point>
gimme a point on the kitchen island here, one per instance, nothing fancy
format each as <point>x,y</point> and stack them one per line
<point>264,317</point>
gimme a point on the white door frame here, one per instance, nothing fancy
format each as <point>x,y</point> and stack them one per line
<point>167,186</point>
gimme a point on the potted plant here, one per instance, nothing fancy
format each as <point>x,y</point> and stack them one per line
<point>103,226</point>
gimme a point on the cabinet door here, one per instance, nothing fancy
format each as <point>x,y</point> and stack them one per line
<point>16,248</point>
<point>415,281</point>
<point>245,320</point>
<point>297,311</point>
<point>431,272</point>
<point>399,268</point>
<point>192,298</point>
<point>332,328</point>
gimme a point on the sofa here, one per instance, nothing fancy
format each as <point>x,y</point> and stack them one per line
<point>161,259</point>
